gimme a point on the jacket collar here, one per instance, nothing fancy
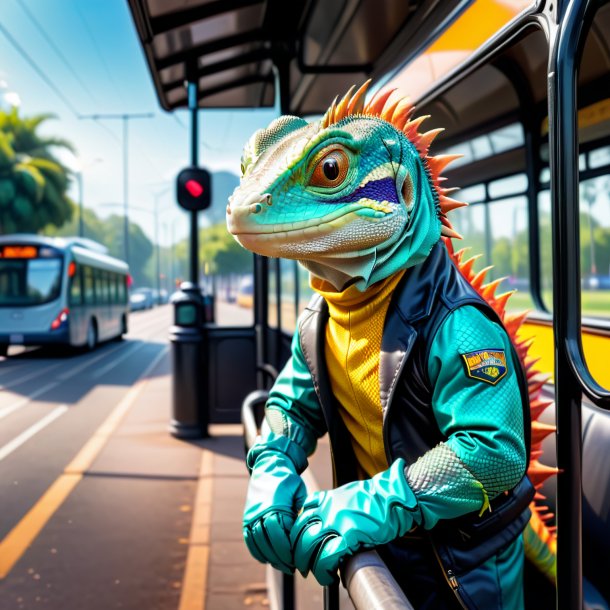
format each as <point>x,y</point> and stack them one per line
<point>412,301</point>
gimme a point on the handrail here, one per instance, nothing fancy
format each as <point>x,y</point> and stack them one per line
<point>366,577</point>
<point>371,585</point>
<point>572,377</point>
<point>565,196</point>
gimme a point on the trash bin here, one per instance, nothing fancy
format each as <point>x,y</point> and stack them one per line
<point>189,408</point>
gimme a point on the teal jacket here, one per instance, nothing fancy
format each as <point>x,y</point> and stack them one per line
<point>454,403</point>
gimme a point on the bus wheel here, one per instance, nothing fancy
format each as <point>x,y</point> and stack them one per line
<point>123,332</point>
<point>91,335</point>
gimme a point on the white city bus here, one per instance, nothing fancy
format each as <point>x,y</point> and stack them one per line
<point>64,291</point>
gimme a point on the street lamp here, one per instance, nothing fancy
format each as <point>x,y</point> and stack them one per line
<point>78,173</point>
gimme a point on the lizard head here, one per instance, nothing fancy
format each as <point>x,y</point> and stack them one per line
<point>354,196</point>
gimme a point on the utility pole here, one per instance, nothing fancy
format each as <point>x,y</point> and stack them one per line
<point>158,265</point>
<point>125,118</point>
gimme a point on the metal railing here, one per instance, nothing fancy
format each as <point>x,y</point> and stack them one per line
<point>366,577</point>
<point>572,376</point>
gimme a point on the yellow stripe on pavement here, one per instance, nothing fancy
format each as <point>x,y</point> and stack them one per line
<point>18,540</point>
<point>196,570</point>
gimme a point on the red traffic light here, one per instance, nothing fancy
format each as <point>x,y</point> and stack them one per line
<point>193,189</point>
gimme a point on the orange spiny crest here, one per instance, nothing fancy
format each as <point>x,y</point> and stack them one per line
<point>540,431</point>
<point>466,266</point>
<point>539,473</point>
<point>538,406</point>
<point>488,291</point>
<point>477,281</point>
<point>447,204</point>
<point>501,300</point>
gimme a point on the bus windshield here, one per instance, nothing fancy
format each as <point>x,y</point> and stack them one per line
<point>27,282</point>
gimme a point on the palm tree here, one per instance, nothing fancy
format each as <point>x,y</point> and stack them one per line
<point>33,183</point>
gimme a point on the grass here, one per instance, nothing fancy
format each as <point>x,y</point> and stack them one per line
<point>594,302</point>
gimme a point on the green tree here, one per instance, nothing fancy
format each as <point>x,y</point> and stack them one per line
<point>33,183</point>
<point>140,247</point>
<point>109,232</point>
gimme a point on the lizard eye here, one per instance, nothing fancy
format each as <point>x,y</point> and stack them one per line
<point>330,170</point>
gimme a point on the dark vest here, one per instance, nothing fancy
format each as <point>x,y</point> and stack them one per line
<point>423,299</point>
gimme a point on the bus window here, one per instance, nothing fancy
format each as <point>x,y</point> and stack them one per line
<point>121,289</point>
<point>498,231</point>
<point>101,287</point>
<point>115,281</point>
<point>89,285</point>
<point>595,246</point>
<point>76,287</point>
<point>31,281</point>
<point>288,287</point>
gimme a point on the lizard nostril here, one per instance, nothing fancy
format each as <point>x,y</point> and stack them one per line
<point>228,210</point>
<point>268,196</point>
<point>256,208</point>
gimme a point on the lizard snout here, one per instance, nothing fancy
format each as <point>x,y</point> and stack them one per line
<point>239,213</point>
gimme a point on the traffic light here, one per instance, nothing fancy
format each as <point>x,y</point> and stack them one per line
<point>194,189</point>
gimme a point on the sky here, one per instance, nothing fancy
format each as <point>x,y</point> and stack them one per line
<point>90,51</point>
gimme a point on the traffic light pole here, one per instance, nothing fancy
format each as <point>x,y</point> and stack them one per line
<point>193,108</point>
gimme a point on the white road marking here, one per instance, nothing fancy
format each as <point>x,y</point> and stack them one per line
<point>26,435</point>
<point>132,348</point>
<point>30,375</point>
<point>24,401</point>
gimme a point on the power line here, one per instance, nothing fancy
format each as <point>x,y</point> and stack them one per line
<point>55,48</point>
<point>99,53</point>
<point>38,70</point>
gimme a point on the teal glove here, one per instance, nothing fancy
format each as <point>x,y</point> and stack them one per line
<point>275,494</point>
<point>363,514</point>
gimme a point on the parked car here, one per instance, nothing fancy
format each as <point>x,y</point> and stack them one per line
<point>141,298</point>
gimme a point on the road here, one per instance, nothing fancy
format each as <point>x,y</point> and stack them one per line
<point>100,507</point>
<point>95,497</point>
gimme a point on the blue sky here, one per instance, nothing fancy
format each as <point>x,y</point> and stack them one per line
<point>107,73</point>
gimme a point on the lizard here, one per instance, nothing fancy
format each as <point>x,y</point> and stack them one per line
<point>358,199</point>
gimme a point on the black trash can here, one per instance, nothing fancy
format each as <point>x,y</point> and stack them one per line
<point>189,408</point>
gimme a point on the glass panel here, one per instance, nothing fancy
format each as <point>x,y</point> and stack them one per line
<point>234,298</point>
<point>470,223</point>
<point>498,232</point>
<point>228,276</point>
<point>472,194</point>
<point>89,286</point>
<point>272,294</point>
<point>509,243</point>
<point>599,157</point>
<point>26,282</point>
<point>76,291</point>
<point>512,185</point>
<point>288,288</point>
<point>481,147</point>
<point>546,248</point>
<point>507,138</point>
<point>305,290</point>
<point>595,246</point>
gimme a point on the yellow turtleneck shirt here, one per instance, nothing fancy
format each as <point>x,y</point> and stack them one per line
<point>353,346</point>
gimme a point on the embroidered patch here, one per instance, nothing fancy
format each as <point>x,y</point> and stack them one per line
<point>488,365</point>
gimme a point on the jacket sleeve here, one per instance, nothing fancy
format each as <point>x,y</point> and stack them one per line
<point>292,409</point>
<point>478,407</point>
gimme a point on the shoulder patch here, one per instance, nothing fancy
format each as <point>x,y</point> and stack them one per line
<point>488,365</point>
